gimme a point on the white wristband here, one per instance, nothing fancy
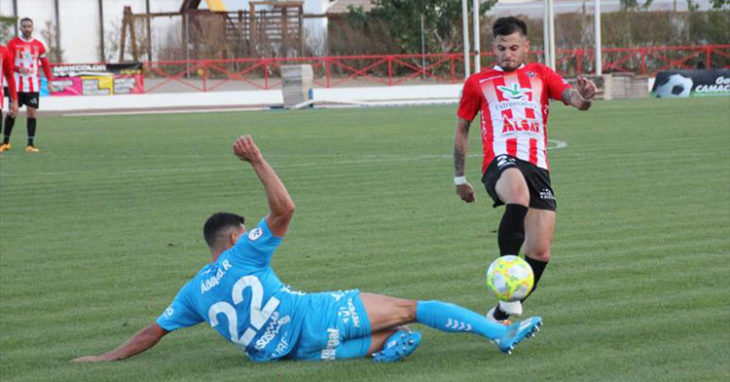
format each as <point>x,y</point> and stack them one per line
<point>459,180</point>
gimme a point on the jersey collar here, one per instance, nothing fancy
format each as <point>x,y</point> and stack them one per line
<point>499,69</point>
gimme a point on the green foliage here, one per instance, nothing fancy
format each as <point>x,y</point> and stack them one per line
<point>442,22</point>
<point>100,229</point>
<point>719,4</point>
<point>7,29</point>
<point>634,4</point>
<point>49,35</point>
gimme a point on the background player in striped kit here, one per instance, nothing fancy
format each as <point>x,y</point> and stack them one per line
<point>6,75</point>
<point>513,98</point>
<point>28,55</point>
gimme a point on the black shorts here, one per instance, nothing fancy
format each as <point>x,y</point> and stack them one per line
<point>542,196</point>
<point>27,99</point>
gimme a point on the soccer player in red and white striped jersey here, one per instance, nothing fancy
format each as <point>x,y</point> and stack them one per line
<point>29,55</point>
<point>514,100</point>
<point>6,75</point>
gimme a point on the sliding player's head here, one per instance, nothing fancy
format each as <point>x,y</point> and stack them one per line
<point>26,27</point>
<point>510,43</point>
<point>221,231</point>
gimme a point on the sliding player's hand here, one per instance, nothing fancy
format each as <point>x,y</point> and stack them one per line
<point>246,150</point>
<point>466,192</point>
<point>586,88</point>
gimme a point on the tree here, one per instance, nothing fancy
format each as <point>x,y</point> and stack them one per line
<point>442,22</point>
<point>6,28</point>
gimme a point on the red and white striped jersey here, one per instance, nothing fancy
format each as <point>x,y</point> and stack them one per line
<point>29,56</point>
<point>6,75</point>
<point>514,107</point>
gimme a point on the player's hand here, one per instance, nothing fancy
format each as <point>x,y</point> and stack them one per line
<point>586,88</point>
<point>90,358</point>
<point>466,193</point>
<point>14,108</point>
<point>246,150</point>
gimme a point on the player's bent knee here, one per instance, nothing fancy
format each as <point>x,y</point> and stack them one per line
<point>542,255</point>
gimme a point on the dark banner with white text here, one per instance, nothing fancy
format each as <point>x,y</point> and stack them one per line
<point>691,83</point>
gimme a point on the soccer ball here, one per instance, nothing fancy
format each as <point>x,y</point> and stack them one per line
<point>510,278</point>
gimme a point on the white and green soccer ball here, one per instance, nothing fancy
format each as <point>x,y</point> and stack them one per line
<point>510,278</point>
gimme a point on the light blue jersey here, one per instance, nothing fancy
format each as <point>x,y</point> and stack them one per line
<point>241,297</point>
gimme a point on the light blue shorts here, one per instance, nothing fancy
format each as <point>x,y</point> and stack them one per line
<point>335,326</point>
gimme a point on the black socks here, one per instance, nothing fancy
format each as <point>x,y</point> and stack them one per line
<point>537,268</point>
<point>31,130</point>
<point>9,123</point>
<point>511,232</point>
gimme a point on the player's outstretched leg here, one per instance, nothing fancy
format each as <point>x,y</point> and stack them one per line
<point>453,318</point>
<point>387,312</point>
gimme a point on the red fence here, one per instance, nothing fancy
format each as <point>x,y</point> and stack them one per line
<point>395,69</point>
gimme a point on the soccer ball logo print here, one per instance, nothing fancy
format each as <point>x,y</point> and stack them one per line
<point>676,86</point>
<point>510,278</point>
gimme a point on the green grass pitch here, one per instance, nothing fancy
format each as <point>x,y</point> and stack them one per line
<point>100,229</point>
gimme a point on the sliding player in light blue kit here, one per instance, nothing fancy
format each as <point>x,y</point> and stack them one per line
<point>241,297</point>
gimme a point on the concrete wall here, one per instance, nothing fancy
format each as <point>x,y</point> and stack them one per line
<point>253,98</point>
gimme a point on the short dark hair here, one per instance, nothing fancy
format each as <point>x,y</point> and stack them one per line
<point>26,19</point>
<point>505,26</point>
<point>217,223</point>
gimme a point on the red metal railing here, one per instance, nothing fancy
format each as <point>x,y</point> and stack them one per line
<point>395,69</point>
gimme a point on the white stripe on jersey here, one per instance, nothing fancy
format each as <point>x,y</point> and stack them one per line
<point>541,157</point>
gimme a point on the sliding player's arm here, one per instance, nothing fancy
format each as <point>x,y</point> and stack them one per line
<point>580,97</point>
<point>143,340</point>
<point>281,206</point>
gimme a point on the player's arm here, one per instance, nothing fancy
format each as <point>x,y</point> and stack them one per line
<point>461,143</point>
<point>143,340</point>
<point>580,97</point>
<point>46,69</point>
<point>9,76</point>
<point>281,206</point>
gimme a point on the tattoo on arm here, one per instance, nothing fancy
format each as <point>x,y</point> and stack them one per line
<point>567,96</point>
<point>458,162</point>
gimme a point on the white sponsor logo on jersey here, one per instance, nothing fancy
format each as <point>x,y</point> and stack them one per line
<point>333,340</point>
<point>272,330</point>
<point>255,233</point>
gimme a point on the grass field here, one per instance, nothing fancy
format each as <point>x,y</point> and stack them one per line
<point>99,231</point>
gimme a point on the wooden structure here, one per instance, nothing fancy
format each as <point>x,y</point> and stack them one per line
<point>266,29</point>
